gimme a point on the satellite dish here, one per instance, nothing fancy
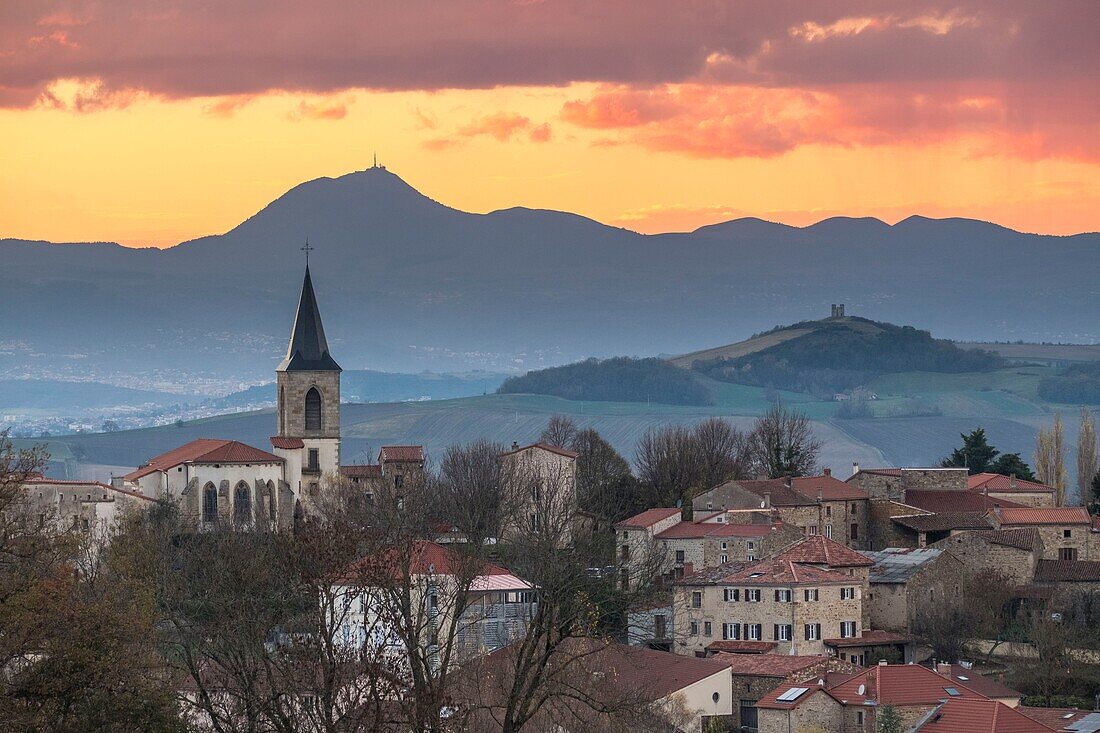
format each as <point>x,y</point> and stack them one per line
<point>862,689</point>
<point>763,505</point>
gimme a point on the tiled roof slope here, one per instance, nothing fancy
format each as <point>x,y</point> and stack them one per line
<point>1004,484</point>
<point>1024,538</point>
<point>820,550</point>
<point>959,715</point>
<point>647,518</point>
<point>1067,571</point>
<point>943,521</point>
<point>1045,515</point>
<point>205,450</point>
<point>831,489</point>
<point>765,573</point>
<point>946,500</point>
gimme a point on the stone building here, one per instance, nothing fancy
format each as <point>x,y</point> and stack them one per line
<point>825,554</point>
<point>755,675</point>
<point>398,467</point>
<point>906,581</point>
<point>1070,576</point>
<point>544,482</point>
<point>1066,531</point>
<point>892,483</point>
<point>775,605</point>
<point>850,704</point>
<point>90,507</point>
<point>816,504</point>
<point>1020,491</point>
<point>1011,553</point>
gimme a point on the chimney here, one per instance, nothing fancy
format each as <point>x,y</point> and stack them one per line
<point>855,468</point>
<point>828,471</point>
<point>882,662</point>
<point>1013,481</point>
<point>943,669</point>
<point>767,500</point>
<point>515,445</point>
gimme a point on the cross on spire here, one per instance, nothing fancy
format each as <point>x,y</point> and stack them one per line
<point>307,249</point>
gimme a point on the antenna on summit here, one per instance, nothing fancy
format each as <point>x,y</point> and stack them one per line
<point>375,161</point>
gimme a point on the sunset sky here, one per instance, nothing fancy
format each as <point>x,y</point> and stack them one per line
<point>149,122</point>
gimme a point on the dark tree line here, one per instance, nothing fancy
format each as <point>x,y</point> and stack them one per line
<point>621,379</point>
<point>978,456</point>
<point>1077,384</point>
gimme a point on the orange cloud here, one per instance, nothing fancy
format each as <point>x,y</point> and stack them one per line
<point>503,126</point>
<point>321,110</point>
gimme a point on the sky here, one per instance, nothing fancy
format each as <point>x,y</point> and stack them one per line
<point>150,122</point>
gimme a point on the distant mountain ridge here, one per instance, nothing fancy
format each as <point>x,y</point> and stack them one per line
<point>407,283</point>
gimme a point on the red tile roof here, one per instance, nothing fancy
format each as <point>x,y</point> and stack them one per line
<point>900,684</point>
<point>773,571</point>
<point>698,530</point>
<point>895,472</point>
<point>741,648</point>
<point>981,684</point>
<point>1054,718</point>
<point>287,443</point>
<point>400,453</point>
<point>943,521</point>
<point>959,715</point>
<point>421,557</point>
<point>771,701</point>
<point>781,494</point>
<point>544,446</point>
<point>1002,484</point>
<point>1045,515</point>
<point>765,665</point>
<point>820,550</point>
<point>831,489</point>
<point>1067,571</point>
<point>1024,538</point>
<point>205,450</point>
<point>647,518</point>
<point>361,471</point>
<point>947,500</point>
<point>869,637</point>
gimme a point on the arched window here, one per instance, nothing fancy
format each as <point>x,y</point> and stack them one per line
<point>313,409</point>
<point>209,504</point>
<point>242,504</point>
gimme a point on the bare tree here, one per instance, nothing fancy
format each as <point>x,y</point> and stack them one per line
<point>605,484</point>
<point>1086,456</point>
<point>782,443</point>
<point>723,452</point>
<point>1050,450</point>
<point>669,466</point>
<point>560,432</point>
<point>472,490</point>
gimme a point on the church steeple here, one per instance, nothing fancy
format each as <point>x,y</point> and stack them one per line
<point>308,349</point>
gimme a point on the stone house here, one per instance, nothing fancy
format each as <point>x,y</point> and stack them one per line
<point>1012,553</point>
<point>849,704</point>
<point>1020,491</point>
<point>1068,575</point>
<point>545,479</point>
<point>816,504</point>
<point>1066,531</point>
<point>90,507</point>
<point>905,581</point>
<point>774,605</point>
<point>398,467</point>
<point>892,483</point>
<point>635,544</point>
<point>755,675</point>
<point>825,554</point>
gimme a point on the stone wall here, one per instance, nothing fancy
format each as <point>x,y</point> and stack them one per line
<point>884,533</point>
<point>978,555</point>
<point>819,713</point>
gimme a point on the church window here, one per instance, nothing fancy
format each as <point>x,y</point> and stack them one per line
<point>314,463</point>
<point>313,409</point>
<point>210,504</point>
<point>242,504</point>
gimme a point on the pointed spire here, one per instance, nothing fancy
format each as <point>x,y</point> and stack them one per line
<point>308,350</point>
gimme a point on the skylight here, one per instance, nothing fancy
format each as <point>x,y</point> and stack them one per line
<point>792,694</point>
<point>963,678</point>
<point>952,691</point>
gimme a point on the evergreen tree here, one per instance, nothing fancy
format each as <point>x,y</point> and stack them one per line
<point>976,454</point>
<point>1011,464</point>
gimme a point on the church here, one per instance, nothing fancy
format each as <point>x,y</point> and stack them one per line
<point>218,481</point>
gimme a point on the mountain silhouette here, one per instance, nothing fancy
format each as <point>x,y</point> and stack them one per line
<point>408,283</point>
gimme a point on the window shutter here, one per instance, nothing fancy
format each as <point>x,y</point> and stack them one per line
<point>775,632</point>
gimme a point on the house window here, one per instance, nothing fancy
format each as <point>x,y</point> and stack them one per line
<point>753,632</point>
<point>695,628</point>
<point>812,529</point>
<point>706,628</point>
<point>624,579</point>
<point>697,599</point>
<point>731,594</point>
<point>847,629</point>
<point>313,409</point>
<point>782,632</point>
<point>660,626</point>
<point>210,504</point>
<point>399,481</point>
<point>625,553</point>
<point>783,595</point>
<point>828,511</point>
<point>680,557</point>
<point>314,463</point>
<point>855,531</point>
<point>724,547</point>
<point>731,632</point>
<point>829,531</point>
<point>752,595</point>
<point>859,717</point>
<point>812,632</point>
<point>534,522</point>
<point>847,594</point>
<point>810,594</point>
<point>1067,533</point>
<point>1067,553</point>
<point>723,558</point>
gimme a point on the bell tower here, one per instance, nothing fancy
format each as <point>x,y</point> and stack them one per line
<point>308,398</point>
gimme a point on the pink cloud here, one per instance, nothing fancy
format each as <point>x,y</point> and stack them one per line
<point>503,126</point>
